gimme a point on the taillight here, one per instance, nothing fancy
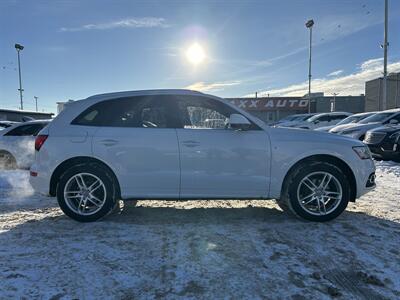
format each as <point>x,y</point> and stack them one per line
<point>39,141</point>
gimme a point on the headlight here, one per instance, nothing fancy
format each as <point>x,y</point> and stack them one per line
<point>362,152</point>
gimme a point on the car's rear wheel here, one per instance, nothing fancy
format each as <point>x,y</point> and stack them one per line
<point>316,191</point>
<point>7,161</point>
<point>86,193</point>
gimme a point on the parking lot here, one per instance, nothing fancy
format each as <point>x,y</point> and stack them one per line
<point>199,249</point>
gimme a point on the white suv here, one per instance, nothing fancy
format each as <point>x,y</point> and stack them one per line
<point>159,145</point>
<point>322,120</point>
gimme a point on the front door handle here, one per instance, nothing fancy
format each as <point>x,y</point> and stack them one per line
<point>190,143</point>
<point>109,142</point>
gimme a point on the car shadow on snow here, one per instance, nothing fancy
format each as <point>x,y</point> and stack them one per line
<point>251,251</point>
<point>222,214</point>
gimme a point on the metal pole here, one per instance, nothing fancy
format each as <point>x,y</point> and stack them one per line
<point>309,73</point>
<point>36,102</point>
<point>379,95</point>
<point>397,90</point>
<point>385,44</point>
<point>20,81</point>
<point>334,101</point>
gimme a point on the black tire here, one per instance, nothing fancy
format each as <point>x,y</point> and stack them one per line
<point>282,205</point>
<point>106,178</point>
<point>289,199</point>
<point>7,161</point>
<point>131,203</point>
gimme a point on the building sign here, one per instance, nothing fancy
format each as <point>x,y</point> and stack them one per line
<point>271,103</point>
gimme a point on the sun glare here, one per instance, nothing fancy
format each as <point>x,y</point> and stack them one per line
<point>195,54</point>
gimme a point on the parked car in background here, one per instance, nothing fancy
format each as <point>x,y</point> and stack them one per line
<point>157,145</point>
<point>17,144</point>
<point>6,124</point>
<point>349,120</point>
<point>322,119</point>
<point>384,142</point>
<point>358,130</point>
<point>292,120</point>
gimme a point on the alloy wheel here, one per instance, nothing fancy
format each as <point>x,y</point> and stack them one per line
<point>85,193</point>
<point>319,193</point>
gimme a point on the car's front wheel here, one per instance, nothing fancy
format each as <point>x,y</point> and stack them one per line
<point>86,193</point>
<point>316,191</point>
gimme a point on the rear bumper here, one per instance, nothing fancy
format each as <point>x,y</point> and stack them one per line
<point>39,180</point>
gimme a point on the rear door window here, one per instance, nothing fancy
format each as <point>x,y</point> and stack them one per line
<point>142,112</point>
<point>117,112</point>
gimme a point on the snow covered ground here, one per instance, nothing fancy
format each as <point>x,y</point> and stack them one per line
<point>199,249</point>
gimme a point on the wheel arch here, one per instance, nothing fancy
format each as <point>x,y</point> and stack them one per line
<point>75,161</point>
<point>6,152</point>
<point>3,151</point>
<point>331,159</point>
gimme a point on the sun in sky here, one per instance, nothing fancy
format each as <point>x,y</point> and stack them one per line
<point>195,54</point>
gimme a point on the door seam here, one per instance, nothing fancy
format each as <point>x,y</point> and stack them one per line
<point>180,167</point>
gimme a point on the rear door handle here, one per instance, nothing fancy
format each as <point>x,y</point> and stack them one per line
<point>191,143</point>
<point>109,142</point>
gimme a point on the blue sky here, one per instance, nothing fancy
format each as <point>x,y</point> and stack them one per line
<point>74,49</point>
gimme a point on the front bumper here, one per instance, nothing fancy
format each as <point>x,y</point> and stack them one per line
<point>365,177</point>
<point>371,181</point>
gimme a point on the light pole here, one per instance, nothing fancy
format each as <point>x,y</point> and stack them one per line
<point>36,102</point>
<point>309,24</point>
<point>385,45</point>
<point>333,103</point>
<point>19,47</point>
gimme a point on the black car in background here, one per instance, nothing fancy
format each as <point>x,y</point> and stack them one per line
<point>6,124</point>
<point>384,142</point>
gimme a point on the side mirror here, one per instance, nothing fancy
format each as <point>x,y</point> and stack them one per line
<point>239,122</point>
<point>393,121</point>
<point>316,122</point>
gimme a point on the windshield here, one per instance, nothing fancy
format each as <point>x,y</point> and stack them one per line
<point>304,118</point>
<point>294,118</point>
<point>353,119</point>
<point>289,118</point>
<point>379,117</point>
<point>312,118</point>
